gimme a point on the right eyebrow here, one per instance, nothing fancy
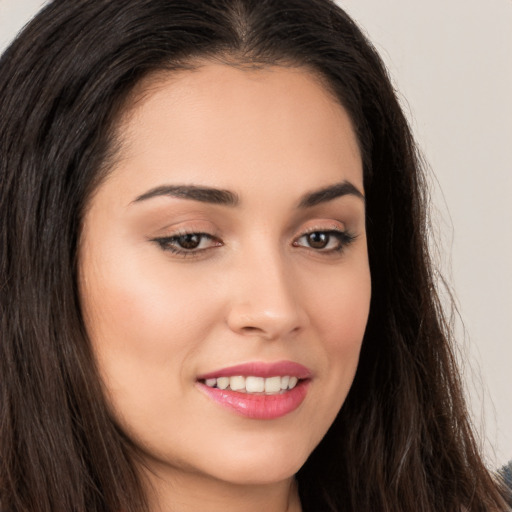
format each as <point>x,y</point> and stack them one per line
<point>193,192</point>
<point>329,193</point>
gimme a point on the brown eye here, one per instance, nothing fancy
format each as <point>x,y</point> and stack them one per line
<point>190,241</point>
<point>318,239</point>
<point>188,244</point>
<point>331,241</point>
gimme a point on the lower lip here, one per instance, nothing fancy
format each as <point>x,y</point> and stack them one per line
<point>259,407</point>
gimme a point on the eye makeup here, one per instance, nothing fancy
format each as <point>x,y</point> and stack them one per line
<point>190,243</point>
<point>187,244</point>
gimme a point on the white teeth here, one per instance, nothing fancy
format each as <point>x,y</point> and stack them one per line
<point>250,384</point>
<point>273,385</point>
<point>223,382</point>
<point>254,384</point>
<point>237,383</point>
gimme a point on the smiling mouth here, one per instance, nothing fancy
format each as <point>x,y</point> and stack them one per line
<point>258,390</point>
<point>254,385</point>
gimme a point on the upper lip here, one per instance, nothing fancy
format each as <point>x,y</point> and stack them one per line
<point>261,369</point>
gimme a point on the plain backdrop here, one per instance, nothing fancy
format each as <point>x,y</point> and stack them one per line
<point>451,63</point>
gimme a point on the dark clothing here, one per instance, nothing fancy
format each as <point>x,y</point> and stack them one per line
<point>506,473</point>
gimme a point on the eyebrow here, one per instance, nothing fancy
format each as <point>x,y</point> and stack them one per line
<point>329,193</point>
<point>193,192</point>
<point>228,198</point>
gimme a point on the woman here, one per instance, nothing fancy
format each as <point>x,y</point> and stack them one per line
<point>216,291</point>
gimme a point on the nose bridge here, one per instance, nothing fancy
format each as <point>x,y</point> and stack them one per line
<point>263,298</point>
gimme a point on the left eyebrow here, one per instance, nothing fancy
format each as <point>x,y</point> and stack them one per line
<point>329,193</point>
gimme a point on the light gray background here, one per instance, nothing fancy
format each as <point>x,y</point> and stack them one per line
<point>451,61</point>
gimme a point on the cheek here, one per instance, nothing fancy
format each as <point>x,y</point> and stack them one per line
<point>143,325</point>
<point>345,317</point>
<point>141,318</point>
<point>339,315</point>
<point>341,306</point>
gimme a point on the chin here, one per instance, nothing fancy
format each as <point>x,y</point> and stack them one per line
<point>256,473</point>
<point>260,463</point>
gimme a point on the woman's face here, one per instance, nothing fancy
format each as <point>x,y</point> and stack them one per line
<point>224,274</point>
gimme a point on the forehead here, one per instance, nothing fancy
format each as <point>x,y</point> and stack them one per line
<point>236,126</point>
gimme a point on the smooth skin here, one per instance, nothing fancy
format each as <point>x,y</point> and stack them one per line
<point>270,278</point>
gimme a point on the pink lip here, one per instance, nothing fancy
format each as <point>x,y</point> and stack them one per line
<point>259,406</point>
<point>260,369</point>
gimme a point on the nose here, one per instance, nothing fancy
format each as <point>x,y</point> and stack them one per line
<point>264,298</point>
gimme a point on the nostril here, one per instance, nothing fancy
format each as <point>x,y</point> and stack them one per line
<point>251,329</point>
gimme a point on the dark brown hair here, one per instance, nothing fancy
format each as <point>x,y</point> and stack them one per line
<point>402,440</point>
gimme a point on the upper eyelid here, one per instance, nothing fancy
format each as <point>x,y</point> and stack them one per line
<point>323,229</point>
<point>320,228</point>
<point>177,235</point>
<point>177,231</point>
<point>212,237</point>
<point>166,244</point>
<point>340,232</point>
<point>214,233</point>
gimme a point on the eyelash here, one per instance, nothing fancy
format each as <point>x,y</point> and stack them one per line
<point>170,243</point>
<point>344,239</point>
<point>166,243</point>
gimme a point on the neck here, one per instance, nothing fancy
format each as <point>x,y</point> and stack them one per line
<point>189,492</point>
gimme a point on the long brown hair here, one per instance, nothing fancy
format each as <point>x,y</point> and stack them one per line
<point>402,440</point>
